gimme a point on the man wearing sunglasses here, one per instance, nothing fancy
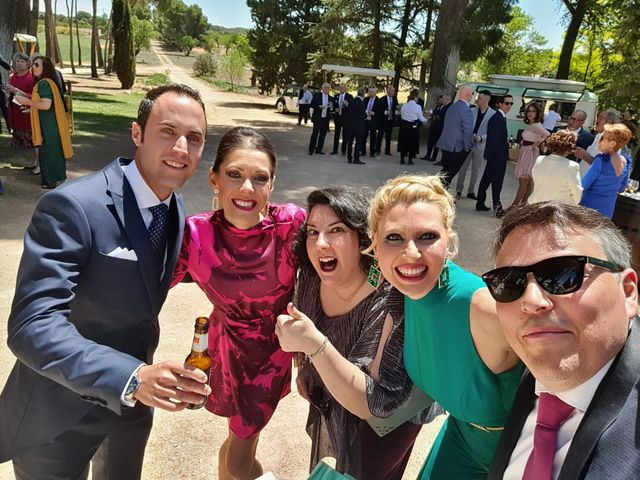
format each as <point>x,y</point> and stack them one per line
<point>496,152</point>
<point>567,299</point>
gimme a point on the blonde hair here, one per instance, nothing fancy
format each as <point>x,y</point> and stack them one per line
<point>408,189</point>
<point>619,133</point>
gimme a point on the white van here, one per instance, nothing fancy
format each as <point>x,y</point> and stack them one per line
<point>568,95</point>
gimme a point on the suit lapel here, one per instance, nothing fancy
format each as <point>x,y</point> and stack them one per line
<point>522,406</point>
<point>610,397</point>
<point>132,225</point>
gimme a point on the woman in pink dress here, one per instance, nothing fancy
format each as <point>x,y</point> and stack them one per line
<point>21,82</point>
<point>532,136</point>
<point>240,255</point>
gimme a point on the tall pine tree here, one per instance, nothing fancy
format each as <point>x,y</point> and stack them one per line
<point>124,62</point>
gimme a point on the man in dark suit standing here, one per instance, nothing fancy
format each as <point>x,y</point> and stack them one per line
<point>356,115</point>
<point>322,105</point>
<point>436,122</point>
<point>567,299</point>
<point>371,123</point>
<point>386,114</point>
<point>98,258</point>
<point>456,139</point>
<point>496,153</point>
<point>340,105</point>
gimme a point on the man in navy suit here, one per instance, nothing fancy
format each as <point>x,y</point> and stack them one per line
<point>456,139</point>
<point>354,127</point>
<point>386,114</point>
<point>322,105</point>
<point>98,257</point>
<point>496,152</point>
<point>340,105</point>
<point>371,123</point>
<point>567,300</point>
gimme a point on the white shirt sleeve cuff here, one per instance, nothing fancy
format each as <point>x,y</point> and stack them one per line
<point>123,401</point>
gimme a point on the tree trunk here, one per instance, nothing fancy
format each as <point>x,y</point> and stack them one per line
<point>402,43</point>
<point>33,23</point>
<point>23,15</point>
<point>49,30</point>
<point>577,17</point>
<point>70,20</point>
<point>95,41</point>
<point>7,29</point>
<point>446,50</point>
<point>426,45</point>
<point>58,55</point>
<point>377,44</point>
<point>109,46</point>
<point>78,37</point>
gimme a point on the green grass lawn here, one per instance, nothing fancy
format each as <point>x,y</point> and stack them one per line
<point>63,40</point>
<point>99,115</point>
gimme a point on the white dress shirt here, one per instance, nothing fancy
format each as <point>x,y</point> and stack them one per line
<point>579,397</point>
<point>550,120</point>
<point>145,198</point>
<point>411,111</point>
<point>325,104</point>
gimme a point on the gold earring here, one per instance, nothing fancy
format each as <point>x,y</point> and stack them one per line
<point>215,202</point>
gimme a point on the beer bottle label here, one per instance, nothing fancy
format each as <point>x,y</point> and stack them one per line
<point>199,342</point>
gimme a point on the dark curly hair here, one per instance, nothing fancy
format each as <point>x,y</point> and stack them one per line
<point>351,206</point>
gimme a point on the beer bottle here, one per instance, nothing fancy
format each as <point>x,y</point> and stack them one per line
<point>199,357</point>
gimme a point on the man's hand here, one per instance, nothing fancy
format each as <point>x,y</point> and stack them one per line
<point>171,386</point>
<point>582,154</point>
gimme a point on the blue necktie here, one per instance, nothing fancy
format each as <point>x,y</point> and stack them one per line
<point>158,229</point>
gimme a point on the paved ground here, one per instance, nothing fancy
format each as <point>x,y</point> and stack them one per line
<point>185,445</point>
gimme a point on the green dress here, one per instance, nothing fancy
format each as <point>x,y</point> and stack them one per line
<point>52,162</point>
<point>441,359</point>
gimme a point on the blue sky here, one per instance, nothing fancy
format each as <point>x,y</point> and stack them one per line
<point>235,13</point>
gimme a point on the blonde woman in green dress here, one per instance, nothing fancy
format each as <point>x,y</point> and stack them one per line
<point>454,348</point>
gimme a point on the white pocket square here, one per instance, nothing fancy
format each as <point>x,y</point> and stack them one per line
<point>124,254</point>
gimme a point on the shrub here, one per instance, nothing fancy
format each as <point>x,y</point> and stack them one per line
<point>205,65</point>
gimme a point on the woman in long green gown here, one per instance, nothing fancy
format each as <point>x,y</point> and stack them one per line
<point>48,123</point>
<point>454,348</point>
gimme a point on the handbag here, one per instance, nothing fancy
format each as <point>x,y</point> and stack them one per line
<point>418,401</point>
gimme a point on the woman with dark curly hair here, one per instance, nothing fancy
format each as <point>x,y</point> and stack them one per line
<point>353,325</point>
<point>532,136</point>
<point>555,177</point>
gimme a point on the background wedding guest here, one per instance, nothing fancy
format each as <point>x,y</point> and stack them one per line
<point>50,130</point>
<point>532,136</point>
<point>554,176</point>
<point>608,174</point>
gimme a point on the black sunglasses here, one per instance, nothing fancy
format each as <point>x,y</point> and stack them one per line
<point>557,276</point>
<point>508,103</point>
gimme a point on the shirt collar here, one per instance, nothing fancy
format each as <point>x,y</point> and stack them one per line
<point>579,397</point>
<point>145,198</point>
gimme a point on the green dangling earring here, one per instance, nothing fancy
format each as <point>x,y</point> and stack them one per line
<point>375,275</point>
<point>443,279</point>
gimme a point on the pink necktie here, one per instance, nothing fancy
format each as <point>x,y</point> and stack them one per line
<point>552,413</point>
